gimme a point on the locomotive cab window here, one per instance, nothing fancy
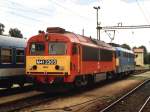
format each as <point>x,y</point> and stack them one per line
<point>57,48</point>
<point>37,49</point>
<point>6,55</point>
<point>74,49</point>
<point>19,56</point>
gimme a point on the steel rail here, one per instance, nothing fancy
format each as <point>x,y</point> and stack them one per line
<point>124,96</point>
<point>141,109</point>
<point>26,102</point>
<point>15,90</point>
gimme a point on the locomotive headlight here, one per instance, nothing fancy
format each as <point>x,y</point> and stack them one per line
<point>34,67</point>
<point>57,67</point>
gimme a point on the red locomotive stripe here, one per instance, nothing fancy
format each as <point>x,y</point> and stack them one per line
<point>55,73</point>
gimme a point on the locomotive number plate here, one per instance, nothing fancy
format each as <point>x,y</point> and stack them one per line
<point>47,62</point>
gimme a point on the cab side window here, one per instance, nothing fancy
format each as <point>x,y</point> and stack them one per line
<point>74,49</point>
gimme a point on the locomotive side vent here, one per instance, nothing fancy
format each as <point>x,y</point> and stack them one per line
<point>55,30</point>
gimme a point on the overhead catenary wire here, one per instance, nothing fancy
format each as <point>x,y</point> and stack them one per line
<point>22,8</point>
<point>71,11</point>
<point>18,11</point>
<point>142,11</point>
<point>43,12</point>
<point>125,27</point>
<point>115,28</point>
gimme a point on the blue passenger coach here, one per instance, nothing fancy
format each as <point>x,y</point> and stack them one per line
<point>12,61</point>
<point>124,61</point>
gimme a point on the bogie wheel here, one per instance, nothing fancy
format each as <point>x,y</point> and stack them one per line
<point>109,76</point>
<point>21,85</point>
<point>81,81</point>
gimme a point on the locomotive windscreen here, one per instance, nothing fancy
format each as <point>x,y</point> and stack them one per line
<point>37,48</point>
<point>57,48</point>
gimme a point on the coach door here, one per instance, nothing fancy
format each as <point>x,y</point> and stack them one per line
<point>76,58</point>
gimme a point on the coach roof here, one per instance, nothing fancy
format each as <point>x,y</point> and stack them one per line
<point>124,50</point>
<point>12,41</point>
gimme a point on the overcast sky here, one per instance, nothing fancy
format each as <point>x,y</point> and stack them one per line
<point>32,15</point>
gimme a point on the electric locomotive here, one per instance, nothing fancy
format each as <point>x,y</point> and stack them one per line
<point>12,61</point>
<point>59,56</point>
<point>124,61</point>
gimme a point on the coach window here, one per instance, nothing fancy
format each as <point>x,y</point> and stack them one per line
<point>19,56</point>
<point>57,48</point>
<point>37,49</point>
<point>6,55</point>
<point>124,54</point>
<point>119,53</point>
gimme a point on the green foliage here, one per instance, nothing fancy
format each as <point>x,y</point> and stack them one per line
<point>1,28</point>
<point>143,47</point>
<point>147,58</point>
<point>126,46</point>
<point>14,32</point>
<point>134,47</point>
<point>146,55</point>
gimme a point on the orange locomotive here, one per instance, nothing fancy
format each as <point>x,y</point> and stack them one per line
<point>59,56</point>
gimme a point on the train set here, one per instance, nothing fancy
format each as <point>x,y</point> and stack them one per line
<point>59,56</point>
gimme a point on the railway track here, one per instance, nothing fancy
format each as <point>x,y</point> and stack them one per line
<point>33,98</point>
<point>134,101</point>
<point>79,107</point>
<point>144,105</point>
<point>15,90</point>
<point>36,99</point>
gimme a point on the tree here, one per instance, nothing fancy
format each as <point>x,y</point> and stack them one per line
<point>143,47</point>
<point>147,58</point>
<point>126,46</point>
<point>1,28</point>
<point>14,32</point>
<point>146,55</point>
<point>134,47</point>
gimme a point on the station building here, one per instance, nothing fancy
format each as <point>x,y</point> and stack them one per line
<point>139,56</point>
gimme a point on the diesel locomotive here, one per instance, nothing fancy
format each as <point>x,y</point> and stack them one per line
<point>59,56</point>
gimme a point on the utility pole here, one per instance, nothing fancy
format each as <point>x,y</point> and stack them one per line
<point>98,29</point>
<point>83,32</point>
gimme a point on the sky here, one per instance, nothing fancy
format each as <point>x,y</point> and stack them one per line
<point>30,16</point>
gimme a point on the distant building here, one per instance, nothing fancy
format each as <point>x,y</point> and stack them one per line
<point>139,56</point>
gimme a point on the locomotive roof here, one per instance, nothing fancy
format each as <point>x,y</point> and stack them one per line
<point>72,37</point>
<point>88,41</point>
<point>124,50</point>
<point>80,38</point>
<point>12,41</point>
